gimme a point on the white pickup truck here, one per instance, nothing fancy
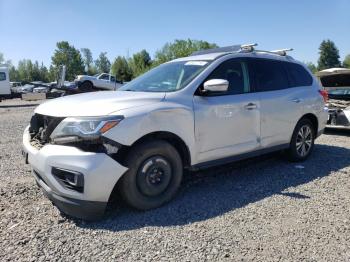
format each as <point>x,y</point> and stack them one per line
<point>97,82</point>
<point>5,87</point>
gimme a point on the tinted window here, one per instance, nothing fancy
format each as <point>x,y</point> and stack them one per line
<point>2,76</point>
<point>298,76</point>
<point>270,75</point>
<point>337,80</point>
<point>104,77</point>
<point>235,73</point>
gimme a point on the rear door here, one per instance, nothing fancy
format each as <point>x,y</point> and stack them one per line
<point>281,104</point>
<point>227,124</point>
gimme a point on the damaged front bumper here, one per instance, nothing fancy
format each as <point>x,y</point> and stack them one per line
<point>83,183</point>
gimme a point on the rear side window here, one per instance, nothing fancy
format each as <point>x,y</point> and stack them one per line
<point>2,76</point>
<point>270,75</point>
<point>298,76</point>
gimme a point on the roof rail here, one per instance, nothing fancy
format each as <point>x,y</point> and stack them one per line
<point>241,48</point>
<point>226,49</point>
<point>282,52</point>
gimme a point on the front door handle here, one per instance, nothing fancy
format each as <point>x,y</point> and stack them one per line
<point>250,106</point>
<point>296,100</point>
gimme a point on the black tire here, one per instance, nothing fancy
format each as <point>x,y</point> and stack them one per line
<point>298,143</point>
<point>86,86</point>
<point>154,175</point>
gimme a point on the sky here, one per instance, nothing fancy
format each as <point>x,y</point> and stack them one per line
<point>31,28</point>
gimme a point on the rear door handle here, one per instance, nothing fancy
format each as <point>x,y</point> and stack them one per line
<point>296,100</point>
<point>250,106</point>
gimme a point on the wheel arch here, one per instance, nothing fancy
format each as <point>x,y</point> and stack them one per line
<point>313,120</point>
<point>171,138</point>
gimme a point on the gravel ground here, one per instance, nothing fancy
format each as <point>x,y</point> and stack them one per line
<point>264,209</point>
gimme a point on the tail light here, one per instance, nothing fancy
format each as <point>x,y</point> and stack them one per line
<point>324,94</point>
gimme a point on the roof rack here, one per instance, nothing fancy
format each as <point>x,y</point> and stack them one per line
<point>241,48</point>
<point>282,52</point>
<point>248,47</point>
<point>226,49</point>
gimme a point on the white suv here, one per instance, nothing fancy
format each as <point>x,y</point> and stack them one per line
<point>210,108</point>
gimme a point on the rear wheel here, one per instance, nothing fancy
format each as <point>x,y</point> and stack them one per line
<point>154,175</point>
<point>302,142</point>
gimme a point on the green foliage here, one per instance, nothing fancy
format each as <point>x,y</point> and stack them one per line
<point>88,61</point>
<point>69,56</point>
<point>120,68</point>
<point>140,63</point>
<point>28,71</point>
<point>180,48</point>
<point>102,63</point>
<point>312,67</point>
<point>14,76</point>
<point>346,62</point>
<point>329,55</point>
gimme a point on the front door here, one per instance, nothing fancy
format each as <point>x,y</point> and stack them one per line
<point>227,124</point>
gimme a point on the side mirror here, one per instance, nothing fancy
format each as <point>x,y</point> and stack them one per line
<point>216,85</point>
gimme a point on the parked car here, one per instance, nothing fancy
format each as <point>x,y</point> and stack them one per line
<point>97,82</point>
<point>5,87</point>
<point>336,82</point>
<point>14,86</point>
<point>27,88</point>
<point>41,89</point>
<point>211,108</point>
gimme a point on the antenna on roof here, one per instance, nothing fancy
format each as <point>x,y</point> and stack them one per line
<point>282,52</point>
<point>248,47</point>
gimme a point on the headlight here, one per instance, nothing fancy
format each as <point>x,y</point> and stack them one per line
<point>73,129</point>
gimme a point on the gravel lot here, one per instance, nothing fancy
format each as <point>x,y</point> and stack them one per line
<point>264,209</point>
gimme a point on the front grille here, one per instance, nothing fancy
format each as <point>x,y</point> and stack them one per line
<point>41,127</point>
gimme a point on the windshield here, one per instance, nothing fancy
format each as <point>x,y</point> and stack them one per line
<point>168,77</point>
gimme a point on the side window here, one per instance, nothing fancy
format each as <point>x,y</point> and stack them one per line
<point>236,73</point>
<point>270,75</point>
<point>2,76</point>
<point>104,77</point>
<point>113,78</point>
<point>298,76</point>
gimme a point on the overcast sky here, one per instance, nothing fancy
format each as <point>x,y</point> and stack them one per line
<point>30,29</point>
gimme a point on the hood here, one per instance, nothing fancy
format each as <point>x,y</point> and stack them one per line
<point>84,77</point>
<point>97,103</point>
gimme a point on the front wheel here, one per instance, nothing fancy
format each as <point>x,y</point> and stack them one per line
<point>86,87</point>
<point>302,141</point>
<point>154,175</point>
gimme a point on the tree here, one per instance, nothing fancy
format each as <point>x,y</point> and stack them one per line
<point>102,63</point>
<point>14,76</point>
<point>120,68</point>
<point>312,67</point>
<point>180,48</point>
<point>346,62</point>
<point>2,59</point>
<point>43,73</point>
<point>329,55</point>
<point>88,60</point>
<point>69,56</point>
<point>140,63</point>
